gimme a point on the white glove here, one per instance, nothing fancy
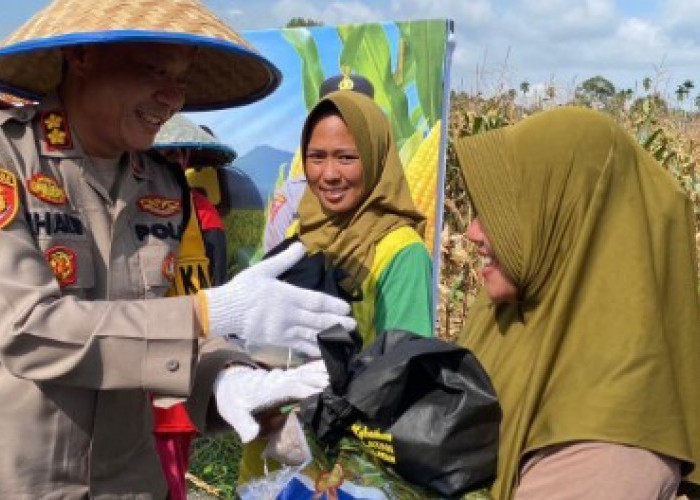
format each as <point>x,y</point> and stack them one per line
<point>241,391</point>
<point>256,306</point>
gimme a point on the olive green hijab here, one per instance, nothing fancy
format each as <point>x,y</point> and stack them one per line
<point>604,343</point>
<point>350,238</point>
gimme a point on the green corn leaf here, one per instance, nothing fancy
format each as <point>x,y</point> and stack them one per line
<point>312,73</point>
<point>426,45</point>
<point>366,51</point>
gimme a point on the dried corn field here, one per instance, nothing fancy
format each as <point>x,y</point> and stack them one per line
<point>672,136</point>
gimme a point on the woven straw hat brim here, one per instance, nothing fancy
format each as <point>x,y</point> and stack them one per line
<point>205,149</point>
<point>9,100</point>
<point>204,154</point>
<point>227,71</point>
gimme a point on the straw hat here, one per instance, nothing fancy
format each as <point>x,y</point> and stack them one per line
<point>11,101</point>
<point>227,70</point>
<point>205,149</point>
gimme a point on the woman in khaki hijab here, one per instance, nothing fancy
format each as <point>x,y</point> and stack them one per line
<point>589,323</point>
<point>358,210</point>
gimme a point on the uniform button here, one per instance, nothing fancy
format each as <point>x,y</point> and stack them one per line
<point>172,365</point>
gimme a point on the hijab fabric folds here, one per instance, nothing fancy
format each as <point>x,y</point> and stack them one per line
<point>350,238</point>
<point>604,343</point>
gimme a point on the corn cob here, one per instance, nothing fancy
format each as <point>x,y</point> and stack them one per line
<point>422,174</point>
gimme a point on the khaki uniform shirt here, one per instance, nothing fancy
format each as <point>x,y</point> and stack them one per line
<point>84,333</point>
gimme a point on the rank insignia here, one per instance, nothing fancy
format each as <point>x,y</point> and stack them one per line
<point>169,267</point>
<point>159,205</point>
<point>46,189</point>
<point>63,264</point>
<point>9,197</point>
<point>55,130</point>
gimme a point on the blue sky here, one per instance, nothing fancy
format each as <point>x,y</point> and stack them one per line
<point>501,43</point>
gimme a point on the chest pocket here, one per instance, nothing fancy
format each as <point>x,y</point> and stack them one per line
<point>156,238</point>
<point>156,268</point>
<point>62,237</point>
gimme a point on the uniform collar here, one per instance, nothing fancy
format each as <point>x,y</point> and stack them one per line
<point>56,138</point>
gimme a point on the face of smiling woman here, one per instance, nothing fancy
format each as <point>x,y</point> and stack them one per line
<point>333,166</point>
<point>497,285</point>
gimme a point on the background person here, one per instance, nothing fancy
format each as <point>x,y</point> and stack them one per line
<point>588,325</point>
<point>193,146</point>
<point>202,254</point>
<point>90,226</point>
<point>283,216</point>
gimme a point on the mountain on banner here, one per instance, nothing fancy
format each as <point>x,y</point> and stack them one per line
<point>262,165</point>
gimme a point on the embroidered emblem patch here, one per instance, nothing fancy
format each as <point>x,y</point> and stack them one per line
<point>55,129</point>
<point>46,189</point>
<point>277,202</point>
<point>169,267</point>
<point>159,206</point>
<point>9,197</point>
<point>63,264</point>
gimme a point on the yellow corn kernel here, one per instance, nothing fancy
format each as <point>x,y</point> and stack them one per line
<point>422,175</point>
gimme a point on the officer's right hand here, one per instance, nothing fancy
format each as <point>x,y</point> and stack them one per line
<point>256,306</point>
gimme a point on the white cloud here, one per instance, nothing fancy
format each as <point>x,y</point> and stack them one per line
<point>331,13</point>
<point>501,43</point>
<point>470,13</point>
<point>640,38</point>
<point>566,19</point>
<point>682,17</point>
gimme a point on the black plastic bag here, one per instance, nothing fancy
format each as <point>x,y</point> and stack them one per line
<point>425,407</point>
<point>315,272</point>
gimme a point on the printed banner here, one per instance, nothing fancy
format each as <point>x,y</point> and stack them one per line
<point>407,66</point>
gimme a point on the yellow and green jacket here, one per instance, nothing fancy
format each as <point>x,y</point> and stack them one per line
<point>397,293</point>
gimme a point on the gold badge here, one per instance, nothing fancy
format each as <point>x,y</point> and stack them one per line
<point>9,197</point>
<point>55,129</point>
<point>159,205</point>
<point>46,189</point>
<point>63,264</point>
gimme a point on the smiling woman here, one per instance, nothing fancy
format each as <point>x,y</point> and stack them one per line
<point>359,212</point>
<point>595,362</point>
<point>333,165</point>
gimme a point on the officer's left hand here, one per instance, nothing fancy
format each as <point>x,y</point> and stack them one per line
<point>241,391</point>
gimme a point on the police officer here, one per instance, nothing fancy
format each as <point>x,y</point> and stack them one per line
<point>89,228</point>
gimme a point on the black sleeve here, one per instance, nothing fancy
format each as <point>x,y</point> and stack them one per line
<point>215,244</point>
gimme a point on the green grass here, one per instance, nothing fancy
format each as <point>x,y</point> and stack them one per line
<point>215,461</point>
